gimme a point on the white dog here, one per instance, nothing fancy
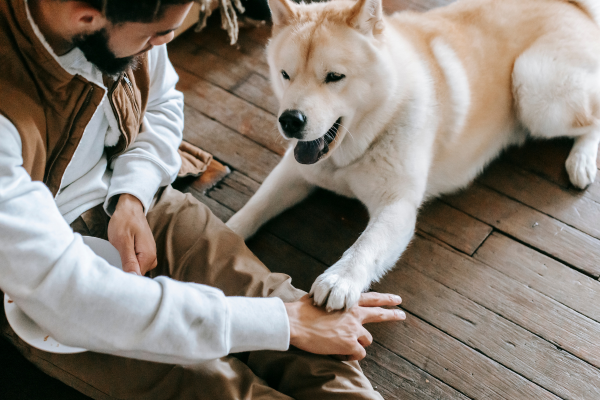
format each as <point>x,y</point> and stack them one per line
<point>396,110</point>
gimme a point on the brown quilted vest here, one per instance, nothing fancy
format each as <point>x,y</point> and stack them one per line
<point>50,107</point>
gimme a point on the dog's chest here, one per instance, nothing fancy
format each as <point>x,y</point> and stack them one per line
<point>328,177</point>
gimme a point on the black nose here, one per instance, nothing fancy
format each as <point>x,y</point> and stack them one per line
<point>293,122</point>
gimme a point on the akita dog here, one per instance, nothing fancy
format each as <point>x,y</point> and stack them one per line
<point>396,110</point>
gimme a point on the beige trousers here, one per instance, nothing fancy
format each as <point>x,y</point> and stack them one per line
<point>195,246</point>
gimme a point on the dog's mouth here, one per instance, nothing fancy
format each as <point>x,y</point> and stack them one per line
<point>311,151</point>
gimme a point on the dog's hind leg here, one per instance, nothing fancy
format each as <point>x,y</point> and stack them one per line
<point>556,84</point>
<point>283,188</point>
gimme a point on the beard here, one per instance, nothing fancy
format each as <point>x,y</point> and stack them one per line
<point>96,49</point>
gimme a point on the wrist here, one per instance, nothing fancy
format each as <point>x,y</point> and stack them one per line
<point>129,202</point>
<point>290,308</point>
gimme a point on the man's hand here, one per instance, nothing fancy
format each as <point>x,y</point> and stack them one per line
<point>129,232</point>
<point>339,333</point>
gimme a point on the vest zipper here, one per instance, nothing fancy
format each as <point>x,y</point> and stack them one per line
<point>88,97</point>
<point>114,110</point>
<point>130,91</point>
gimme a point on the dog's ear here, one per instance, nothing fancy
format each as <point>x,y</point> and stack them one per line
<point>367,17</point>
<point>281,11</point>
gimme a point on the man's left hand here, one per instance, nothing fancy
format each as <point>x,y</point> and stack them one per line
<point>129,232</point>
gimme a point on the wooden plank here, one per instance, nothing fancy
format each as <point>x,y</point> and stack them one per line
<point>512,300</point>
<point>257,90</point>
<point>551,236</point>
<point>280,256</point>
<point>503,341</point>
<point>402,380</point>
<point>234,191</point>
<point>246,51</point>
<point>542,273</point>
<point>545,157</point>
<point>228,146</point>
<point>222,212</point>
<point>188,56</point>
<point>241,183</point>
<point>568,206</point>
<point>259,34</point>
<point>228,196</point>
<point>454,363</point>
<point>324,225</point>
<point>390,386</point>
<point>452,226</point>
<point>231,111</point>
<point>593,191</point>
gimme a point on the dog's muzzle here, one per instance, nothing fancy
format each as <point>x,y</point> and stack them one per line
<point>309,152</point>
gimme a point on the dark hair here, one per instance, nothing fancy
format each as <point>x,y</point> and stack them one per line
<point>119,11</point>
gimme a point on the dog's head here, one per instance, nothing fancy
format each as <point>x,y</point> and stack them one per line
<point>326,70</point>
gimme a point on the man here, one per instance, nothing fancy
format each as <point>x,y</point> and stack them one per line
<point>90,123</point>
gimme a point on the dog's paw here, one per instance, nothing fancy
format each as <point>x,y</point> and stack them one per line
<point>336,291</point>
<point>581,168</point>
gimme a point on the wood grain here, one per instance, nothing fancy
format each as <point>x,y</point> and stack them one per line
<point>231,111</point>
<point>453,362</point>
<point>487,332</point>
<point>547,159</point>
<point>245,52</point>
<point>280,256</point>
<point>399,379</point>
<point>188,56</point>
<point>511,299</point>
<point>542,273</point>
<point>570,206</point>
<point>257,90</point>
<point>530,226</point>
<point>453,227</point>
<point>228,146</point>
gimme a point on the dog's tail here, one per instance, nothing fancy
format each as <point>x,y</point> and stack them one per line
<point>592,7</point>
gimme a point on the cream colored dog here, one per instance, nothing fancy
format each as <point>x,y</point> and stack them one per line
<point>396,110</point>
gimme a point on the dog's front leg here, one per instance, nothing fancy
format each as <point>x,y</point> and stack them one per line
<point>283,188</point>
<point>389,231</point>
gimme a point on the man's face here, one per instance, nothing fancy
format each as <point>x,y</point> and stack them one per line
<point>115,48</point>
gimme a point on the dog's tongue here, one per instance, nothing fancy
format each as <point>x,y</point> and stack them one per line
<point>309,152</point>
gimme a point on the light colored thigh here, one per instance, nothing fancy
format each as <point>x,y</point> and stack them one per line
<point>556,85</point>
<point>193,245</point>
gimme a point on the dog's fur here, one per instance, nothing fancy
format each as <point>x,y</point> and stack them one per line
<point>427,101</point>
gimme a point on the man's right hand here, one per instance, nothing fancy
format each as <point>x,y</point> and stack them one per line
<point>339,333</point>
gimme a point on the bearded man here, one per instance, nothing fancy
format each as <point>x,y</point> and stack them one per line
<point>90,124</point>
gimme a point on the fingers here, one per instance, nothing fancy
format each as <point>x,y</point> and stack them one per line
<point>147,262</point>
<point>374,299</point>
<point>366,338</point>
<point>377,314</point>
<point>145,248</point>
<point>129,260</point>
<point>146,256</point>
<point>358,354</point>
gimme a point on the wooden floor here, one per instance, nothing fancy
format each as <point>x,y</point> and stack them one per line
<point>500,283</point>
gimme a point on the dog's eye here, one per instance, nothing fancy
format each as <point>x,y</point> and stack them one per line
<point>285,75</point>
<point>334,77</point>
